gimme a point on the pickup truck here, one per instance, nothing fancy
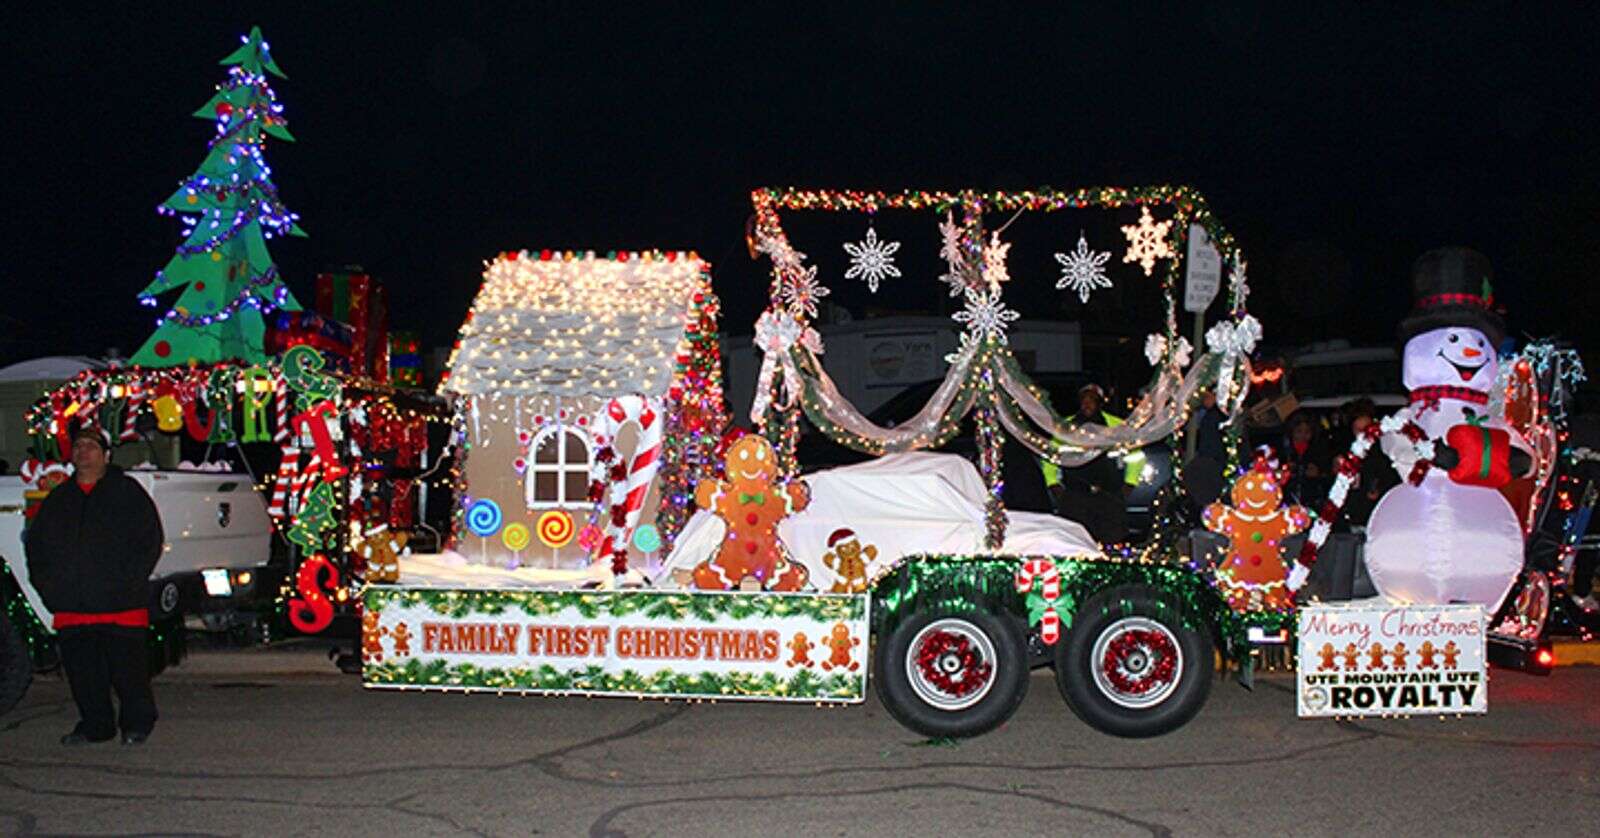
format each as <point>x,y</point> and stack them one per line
<point>213,569</point>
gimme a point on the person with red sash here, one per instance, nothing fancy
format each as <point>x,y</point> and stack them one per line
<point>91,549</point>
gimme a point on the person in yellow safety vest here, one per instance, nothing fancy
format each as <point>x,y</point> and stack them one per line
<point>1091,410</point>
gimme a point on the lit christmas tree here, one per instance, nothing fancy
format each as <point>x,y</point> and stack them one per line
<point>229,208</point>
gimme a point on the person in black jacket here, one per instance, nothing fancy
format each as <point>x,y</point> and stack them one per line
<point>91,549</point>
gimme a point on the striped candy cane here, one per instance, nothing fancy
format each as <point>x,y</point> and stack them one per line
<point>641,467</point>
<point>280,402</point>
<point>130,411</point>
<point>288,471</point>
<point>1049,577</point>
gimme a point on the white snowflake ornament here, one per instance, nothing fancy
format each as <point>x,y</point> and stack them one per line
<point>1083,270</point>
<point>994,262</point>
<point>872,260</point>
<point>985,316</point>
<point>801,292</point>
<point>950,246</point>
<point>1147,241</point>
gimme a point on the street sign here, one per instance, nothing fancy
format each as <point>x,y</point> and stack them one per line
<point>1204,273</point>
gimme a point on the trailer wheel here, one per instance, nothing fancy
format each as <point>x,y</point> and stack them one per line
<point>952,674</point>
<point>1131,666</point>
<point>16,670</point>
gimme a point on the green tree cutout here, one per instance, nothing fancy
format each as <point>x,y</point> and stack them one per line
<point>230,208</point>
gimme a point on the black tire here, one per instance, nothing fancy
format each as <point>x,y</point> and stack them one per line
<point>995,648</point>
<point>1148,631</point>
<point>16,669</point>
<point>165,598</point>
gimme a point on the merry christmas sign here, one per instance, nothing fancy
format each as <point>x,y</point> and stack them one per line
<point>1381,659</point>
<point>774,647</point>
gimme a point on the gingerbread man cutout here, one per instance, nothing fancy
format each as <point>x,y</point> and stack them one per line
<point>847,558</point>
<point>1376,654</point>
<point>841,643</point>
<point>371,637</point>
<point>751,504</point>
<point>1427,651</point>
<point>1329,656</point>
<point>802,650</point>
<point>382,550</point>
<point>1253,575</point>
<point>402,641</point>
<point>1451,654</point>
<point>1398,654</point>
<point>1352,656</point>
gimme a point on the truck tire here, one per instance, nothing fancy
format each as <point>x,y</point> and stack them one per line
<point>16,670</point>
<point>952,674</point>
<point>1131,666</point>
<point>165,597</point>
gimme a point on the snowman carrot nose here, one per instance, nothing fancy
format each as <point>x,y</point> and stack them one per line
<point>1470,352</point>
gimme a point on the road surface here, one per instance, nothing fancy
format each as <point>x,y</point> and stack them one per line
<point>274,742</point>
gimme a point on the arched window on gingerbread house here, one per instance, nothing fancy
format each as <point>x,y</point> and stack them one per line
<point>558,468</point>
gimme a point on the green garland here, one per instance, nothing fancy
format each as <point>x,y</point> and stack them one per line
<point>701,606</point>
<point>987,583</point>
<point>439,674</point>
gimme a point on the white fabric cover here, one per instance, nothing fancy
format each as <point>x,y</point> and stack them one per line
<point>907,503</point>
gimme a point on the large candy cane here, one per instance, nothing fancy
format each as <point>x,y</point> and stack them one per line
<point>1050,578</point>
<point>627,495</point>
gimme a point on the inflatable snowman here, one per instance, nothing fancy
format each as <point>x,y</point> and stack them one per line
<point>1454,537</point>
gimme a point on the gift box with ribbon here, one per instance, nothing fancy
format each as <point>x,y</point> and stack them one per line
<point>352,296</point>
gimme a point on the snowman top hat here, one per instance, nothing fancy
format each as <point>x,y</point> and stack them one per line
<point>1452,286</point>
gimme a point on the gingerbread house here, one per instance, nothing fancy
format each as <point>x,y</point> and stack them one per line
<point>588,400</point>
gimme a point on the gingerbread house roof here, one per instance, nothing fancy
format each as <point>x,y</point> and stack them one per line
<point>574,325</point>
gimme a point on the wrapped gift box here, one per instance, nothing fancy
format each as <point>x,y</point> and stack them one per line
<point>352,296</point>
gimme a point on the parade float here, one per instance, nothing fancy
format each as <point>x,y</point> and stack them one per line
<point>596,555</point>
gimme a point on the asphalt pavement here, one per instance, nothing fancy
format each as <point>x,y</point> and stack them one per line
<point>275,742</point>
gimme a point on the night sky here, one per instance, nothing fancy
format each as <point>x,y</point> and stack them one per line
<point>1336,143</point>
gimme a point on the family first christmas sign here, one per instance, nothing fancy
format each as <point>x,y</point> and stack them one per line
<point>799,647</point>
<point>1381,659</point>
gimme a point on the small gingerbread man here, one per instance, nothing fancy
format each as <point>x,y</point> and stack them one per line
<point>1451,655</point>
<point>841,643</point>
<point>1398,654</point>
<point>751,504</point>
<point>802,650</point>
<point>847,558</point>
<point>1328,655</point>
<point>1376,653</point>
<point>1352,656</point>
<point>382,550</point>
<point>372,637</point>
<point>402,641</point>
<point>1427,651</point>
<point>1253,575</point>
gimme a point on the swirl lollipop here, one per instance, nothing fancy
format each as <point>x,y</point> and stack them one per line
<point>647,539</point>
<point>516,537</point>
<point>483,518</point>
<point>556,529</point>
